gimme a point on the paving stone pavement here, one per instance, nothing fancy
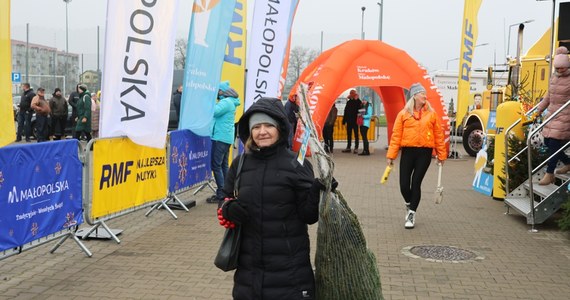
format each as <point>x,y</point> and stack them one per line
<point>163,258</point>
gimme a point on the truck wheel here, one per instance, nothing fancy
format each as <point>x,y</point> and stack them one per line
<point>473,137</point>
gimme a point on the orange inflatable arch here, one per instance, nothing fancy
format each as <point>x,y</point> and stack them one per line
<point>374,64</point>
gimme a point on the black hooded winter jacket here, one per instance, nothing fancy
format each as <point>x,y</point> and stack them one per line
<point>275,188</point>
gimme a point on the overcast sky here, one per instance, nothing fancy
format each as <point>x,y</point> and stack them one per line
<point>428,30</point>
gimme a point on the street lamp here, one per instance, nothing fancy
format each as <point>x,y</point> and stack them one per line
<point>511,26</point>
<point>66,39</point>
<point>381,6</point>
<point>362,26</point>
<point>450,60</point>
<point>457,58</point>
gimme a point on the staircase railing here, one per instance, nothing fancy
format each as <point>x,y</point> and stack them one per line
<point>528,148</point>
<point>531,171</point>
<point>507,160</point>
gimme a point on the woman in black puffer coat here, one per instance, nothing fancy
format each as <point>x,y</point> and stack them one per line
<point>277,198</point>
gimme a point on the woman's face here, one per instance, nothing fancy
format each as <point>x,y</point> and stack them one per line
<point>420,98</point>
<point>264,135</point>
<point>561,70</point>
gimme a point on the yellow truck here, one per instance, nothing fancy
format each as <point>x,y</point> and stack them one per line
<point>527,83</point>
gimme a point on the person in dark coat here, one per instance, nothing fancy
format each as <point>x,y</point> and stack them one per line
<point>72,100</point>
<point>349,120</point>
<point>292,109</point>
<point>176,100</point>
<point>328,129</point>
<point>83,113</point>
<point>277,198</point>
<point>58,107</point>
<point>25,113</point>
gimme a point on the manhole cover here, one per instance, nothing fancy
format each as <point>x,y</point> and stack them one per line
<point>441,253</point>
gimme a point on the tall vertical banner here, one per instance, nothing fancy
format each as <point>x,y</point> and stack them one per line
<point>209,28</point>
<point>270,30</point>
<point>285,66</point>
<point>7,130</point>
<point>469,34</point>
<point>137,73</point>
<point>233,68</point>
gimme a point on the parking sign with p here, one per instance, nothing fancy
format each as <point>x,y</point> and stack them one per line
<point>16,77</point>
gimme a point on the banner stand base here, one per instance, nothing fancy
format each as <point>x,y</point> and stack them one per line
<point>95,233</point>
<point>74,237</point>
<point>98,234</point>
<point>188,204</point>
<point>206,184</point>
<point>177,204</point>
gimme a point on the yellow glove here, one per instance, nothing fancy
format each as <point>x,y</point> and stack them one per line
<point>386,174</point>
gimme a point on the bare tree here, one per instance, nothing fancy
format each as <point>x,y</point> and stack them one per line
<point>299,59</point>
<point>180,53</point>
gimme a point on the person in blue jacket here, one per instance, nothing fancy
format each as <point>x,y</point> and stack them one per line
<point>222,135</point>
<point>366,113</point>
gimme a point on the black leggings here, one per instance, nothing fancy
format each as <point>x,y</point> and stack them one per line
<point>364,134</point>
<point>413,167</point>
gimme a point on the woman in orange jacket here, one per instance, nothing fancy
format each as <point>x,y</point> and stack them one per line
<point>416,132</point>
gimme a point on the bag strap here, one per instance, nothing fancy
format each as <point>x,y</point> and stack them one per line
<point>238,174</point>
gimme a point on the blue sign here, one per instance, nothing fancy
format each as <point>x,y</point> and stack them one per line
<point>40,191</point>
<point>16,77</point>
<point>492,122</point>
<point>189,161</point>
<point>484,184</point>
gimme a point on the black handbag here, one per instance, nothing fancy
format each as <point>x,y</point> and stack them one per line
<point>228,254</point>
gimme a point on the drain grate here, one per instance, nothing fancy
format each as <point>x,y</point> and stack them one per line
<point>437,253</point>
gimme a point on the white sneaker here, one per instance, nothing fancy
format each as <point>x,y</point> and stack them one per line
<point>410,220</point>
<point>407,210</point>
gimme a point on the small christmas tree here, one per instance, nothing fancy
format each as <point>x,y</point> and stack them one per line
<point>518,169</point>
<point>564,222</point>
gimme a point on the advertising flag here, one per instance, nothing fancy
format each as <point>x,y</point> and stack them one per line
<point>137,74</point>
<point>233,68</point>
<point>271,26</point>
<point>469,34</point>
<point>207,41</point>
<point>285,66</point>
<point>8,129</point>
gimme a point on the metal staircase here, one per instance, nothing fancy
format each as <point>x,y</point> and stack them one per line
<point>537,203</point>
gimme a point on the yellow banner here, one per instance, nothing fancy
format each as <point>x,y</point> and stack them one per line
<point>233,68</point>
<point>8,129</point>
<point>126,175</point>
<point>469,34</point>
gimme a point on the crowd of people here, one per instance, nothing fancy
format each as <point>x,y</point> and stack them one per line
<point>50,119</point>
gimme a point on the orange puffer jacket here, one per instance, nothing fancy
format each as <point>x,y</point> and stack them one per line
<point>411,132</point>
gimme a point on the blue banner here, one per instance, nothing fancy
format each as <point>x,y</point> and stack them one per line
<point>209,31</point>
<point>483,183</point>
<point>492,122</point>
<point>189,161</point>
<point>40,191</point>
